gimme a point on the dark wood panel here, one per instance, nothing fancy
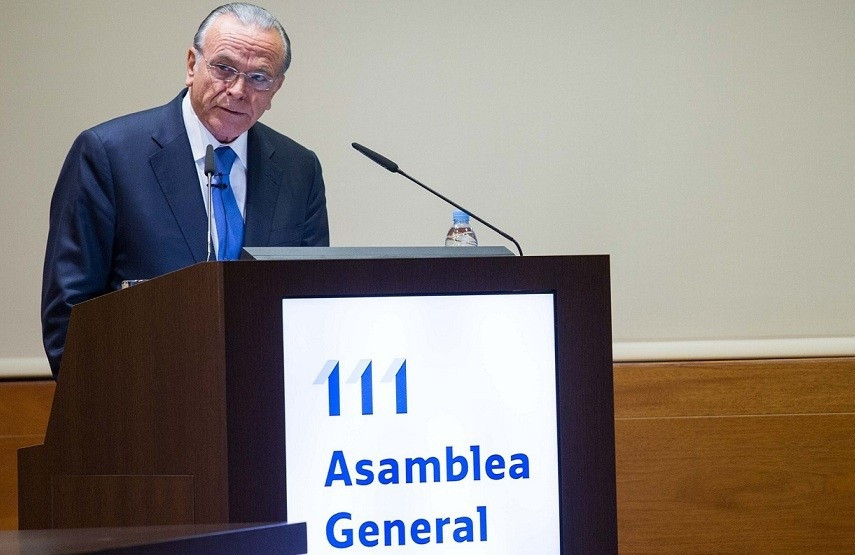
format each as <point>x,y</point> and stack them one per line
<point>9,477</point>
<point>85,501</point>
<point>137,396</point>
<point>716,388</point>
<point>753,484</point>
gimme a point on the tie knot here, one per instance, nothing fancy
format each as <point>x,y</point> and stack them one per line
<point>225,159</point>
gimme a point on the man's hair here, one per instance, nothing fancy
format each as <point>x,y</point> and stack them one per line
<point>250,15</point>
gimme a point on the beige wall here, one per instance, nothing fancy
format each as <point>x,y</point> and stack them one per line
<point>708,146</point>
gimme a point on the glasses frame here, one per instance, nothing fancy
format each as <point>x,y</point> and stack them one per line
<point>248,77</point>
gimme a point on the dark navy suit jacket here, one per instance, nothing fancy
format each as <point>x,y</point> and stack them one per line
<point>128,205</point>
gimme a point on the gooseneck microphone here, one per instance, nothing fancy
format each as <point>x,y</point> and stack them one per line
<point>393,167</point>
<point>210,168</point>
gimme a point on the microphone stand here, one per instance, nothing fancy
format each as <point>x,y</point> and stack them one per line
<point>210,218</point>
<point>210,168</point>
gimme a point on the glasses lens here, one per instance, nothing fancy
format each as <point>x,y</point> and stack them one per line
<point>259,81</point>
<point>223,72</point>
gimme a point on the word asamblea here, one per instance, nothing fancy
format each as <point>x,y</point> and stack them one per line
<point>427,469</point>
<point>340,532</point>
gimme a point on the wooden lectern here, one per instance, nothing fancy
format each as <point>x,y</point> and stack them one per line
<point>169,402</point>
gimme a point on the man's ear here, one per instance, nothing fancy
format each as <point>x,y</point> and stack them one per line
<point>191,67</point>
<point>276,86</point>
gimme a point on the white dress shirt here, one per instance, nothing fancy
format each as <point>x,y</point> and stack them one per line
<point>200,138</point>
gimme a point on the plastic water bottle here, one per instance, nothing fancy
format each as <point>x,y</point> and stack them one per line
<point>460,234</point>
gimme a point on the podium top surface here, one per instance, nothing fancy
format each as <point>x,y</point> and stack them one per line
<point>192,539</point>
<point>345,253</point>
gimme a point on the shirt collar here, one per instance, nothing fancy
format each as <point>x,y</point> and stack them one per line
<point>200,137</point>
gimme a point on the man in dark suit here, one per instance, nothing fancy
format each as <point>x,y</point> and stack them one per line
<point>130,202</point>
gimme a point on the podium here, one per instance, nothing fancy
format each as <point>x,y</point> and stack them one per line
<point>169,403</point>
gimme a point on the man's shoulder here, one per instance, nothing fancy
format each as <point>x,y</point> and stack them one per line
<point>280,143</point>
<point>141,124</point>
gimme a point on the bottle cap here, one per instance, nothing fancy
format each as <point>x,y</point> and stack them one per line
<point>460,216</point>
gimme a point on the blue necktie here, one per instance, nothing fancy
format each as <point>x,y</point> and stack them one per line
<point>226,211</point>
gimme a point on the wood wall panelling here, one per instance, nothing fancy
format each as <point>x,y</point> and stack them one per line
<point>712,457</point>
<point>24,411</point>
<point>736,457</point>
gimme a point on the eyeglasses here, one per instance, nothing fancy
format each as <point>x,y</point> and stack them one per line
<point>255,79</point>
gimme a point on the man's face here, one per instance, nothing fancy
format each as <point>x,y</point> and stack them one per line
<point>229,109</point>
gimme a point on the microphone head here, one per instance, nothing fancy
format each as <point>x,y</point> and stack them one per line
<point>378,158</point>
<point>210,164</point>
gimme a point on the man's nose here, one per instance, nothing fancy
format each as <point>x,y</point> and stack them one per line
<point>238,86</point>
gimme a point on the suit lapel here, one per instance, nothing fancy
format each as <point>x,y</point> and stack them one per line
<point>262,189</point>
<point>175,171</point>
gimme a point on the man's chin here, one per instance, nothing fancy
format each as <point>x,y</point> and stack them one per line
<point>228,130</point>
